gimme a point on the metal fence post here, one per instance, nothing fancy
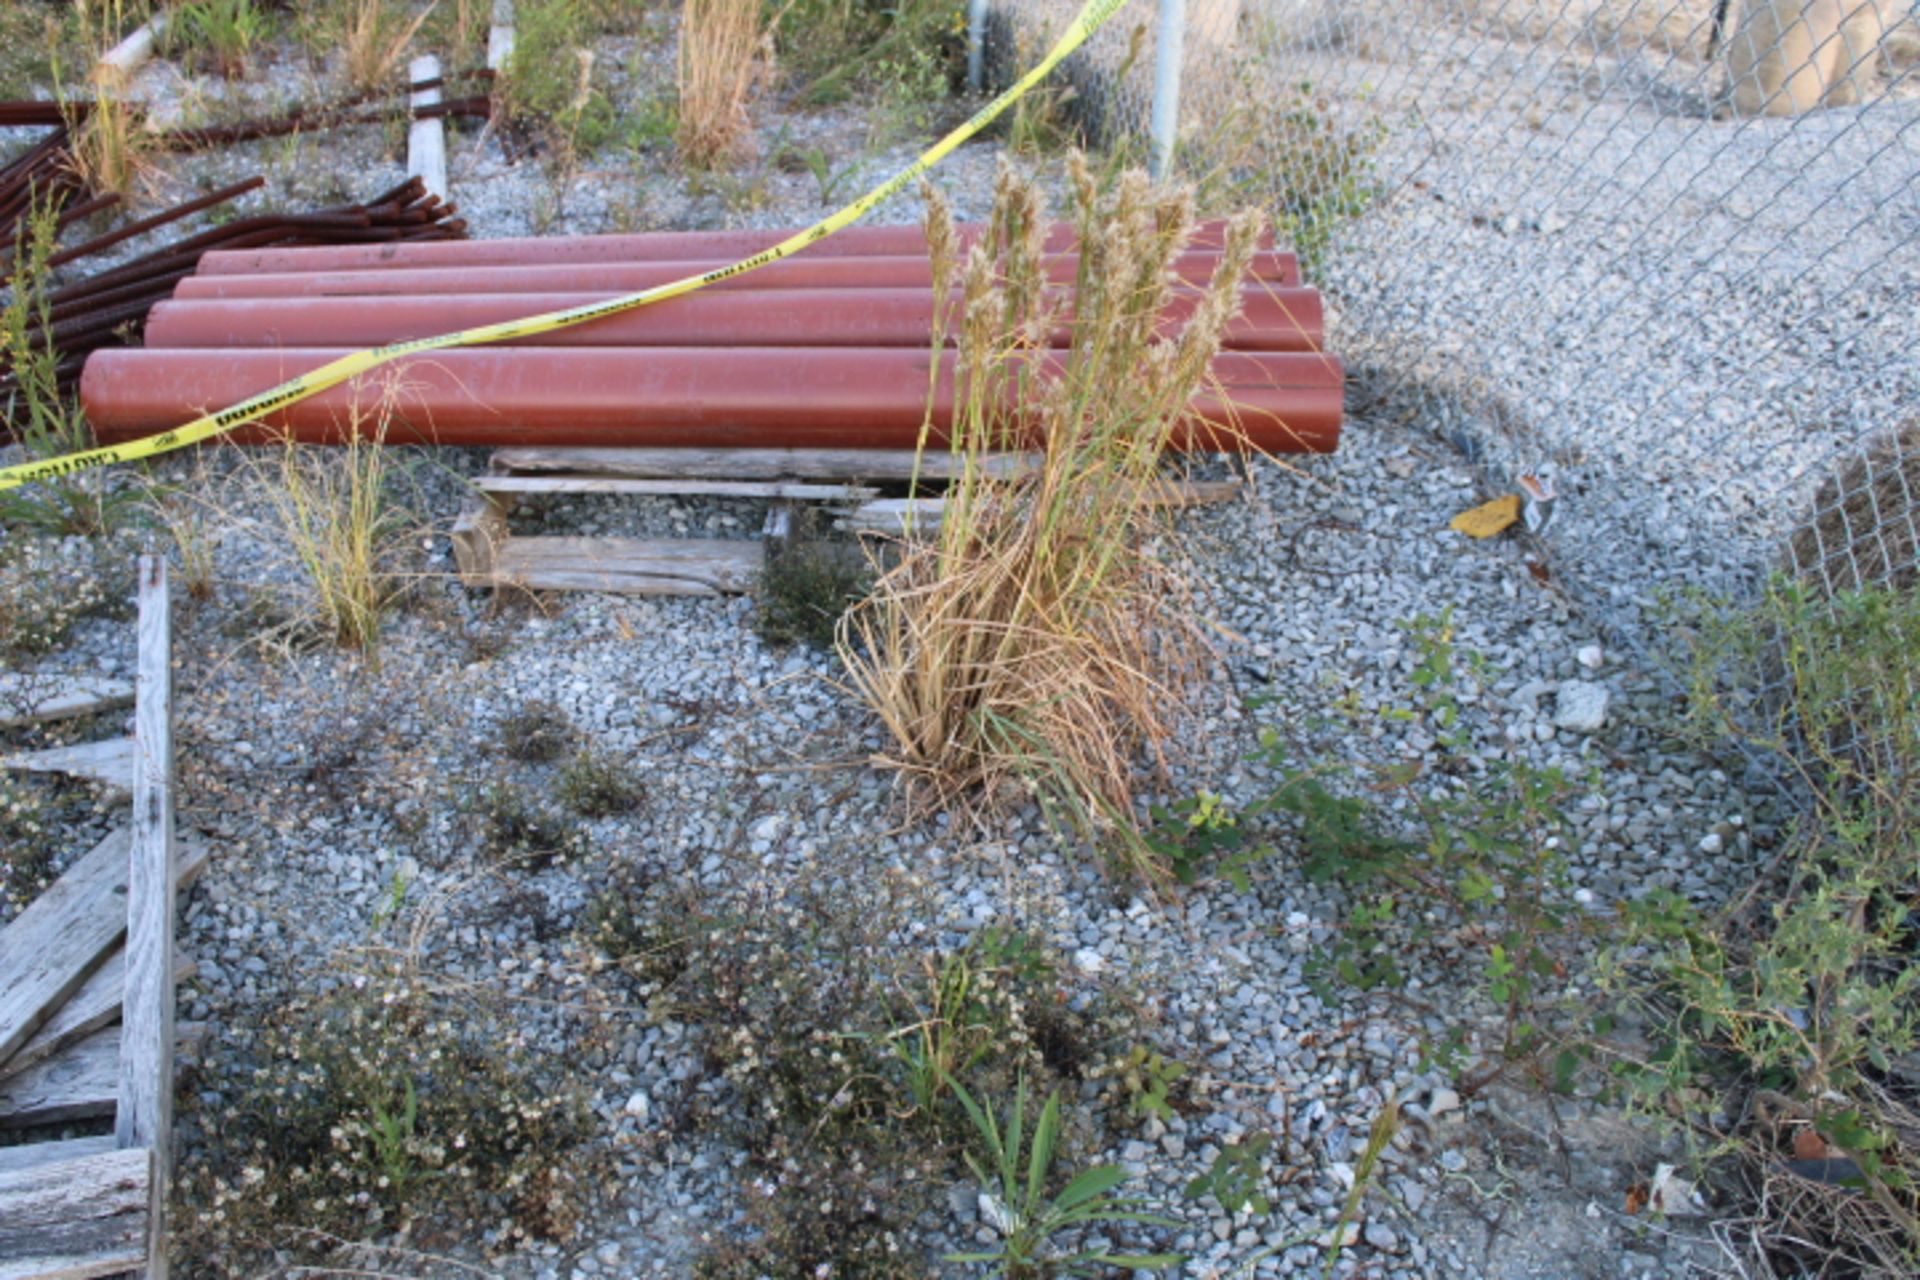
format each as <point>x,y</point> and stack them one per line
<point>976,45</point>
<point>1169,44</point>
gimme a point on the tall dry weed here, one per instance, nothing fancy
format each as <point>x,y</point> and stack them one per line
<point>726,52</point>
<point>1045,639</point>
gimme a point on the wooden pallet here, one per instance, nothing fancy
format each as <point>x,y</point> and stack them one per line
<point>87,973</point>
<point>853,482</point>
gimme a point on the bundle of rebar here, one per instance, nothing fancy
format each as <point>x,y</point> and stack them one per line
<point>833,348</point>
<point>109,307</point>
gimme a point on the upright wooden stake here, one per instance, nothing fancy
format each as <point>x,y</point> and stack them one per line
<point>427,137</point>
<point>145,1114</point>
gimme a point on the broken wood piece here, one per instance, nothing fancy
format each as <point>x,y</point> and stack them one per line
<point>109,763</point>
<point>33,699</point>
<point>704,567</point>
<point>86,1216</point>
<point>95,1005</point>
<point>753,464</point>
<point>478,533</point>
<point>80,1083</point>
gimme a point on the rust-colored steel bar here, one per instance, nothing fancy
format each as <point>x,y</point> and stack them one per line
<point>161,219</point>
<point>658,246</point>
<point>682,397</point>
<point>901,271</point>
<point>1278,320</point>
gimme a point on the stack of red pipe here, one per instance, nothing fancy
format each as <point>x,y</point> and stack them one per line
<point>829,349</point>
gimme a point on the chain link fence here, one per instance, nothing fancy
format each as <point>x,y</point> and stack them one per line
<point>1663,257</point>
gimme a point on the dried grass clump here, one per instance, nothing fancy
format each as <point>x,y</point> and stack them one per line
<point>374,38</point>
<point>726,52</point>
<point>1044,639</point>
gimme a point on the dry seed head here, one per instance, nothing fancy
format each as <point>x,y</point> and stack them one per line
<point>942,240</point>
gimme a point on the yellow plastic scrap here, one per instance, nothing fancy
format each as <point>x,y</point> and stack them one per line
<point>1489,518</point>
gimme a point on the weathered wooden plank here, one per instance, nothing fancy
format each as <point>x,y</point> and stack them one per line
<point>676,488</point>
<point>33,699</point>
<point>109,762</point>
<point>427,136</point>
<point>500,36</point>
<point>144,1117</point>
<point>51,946</point>
<point>25,1155</point>
<point>95,1005</point>
<point>118,64</point>
<point>80,1083</point>
<point>54,946</point>
<point>77,1084</point>
<point>752,464</point>
<point>889,515</point>
<point>77,1218</point>
<point>690,567</point>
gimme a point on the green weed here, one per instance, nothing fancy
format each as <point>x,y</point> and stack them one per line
<point>1017,1171</point>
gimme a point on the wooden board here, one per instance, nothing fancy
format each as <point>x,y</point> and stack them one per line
<point>690,567</point>
<point>81,1083</point>
<point>51,946</point>
<point>33,699</point>
<point>95,1005</point>
<point>144,1116</point>
<point>889,515</point>
<point>26,1155</point>
<point>750,464</point>
<point>500,36</point>
<point>109,762</point>
<point>76,1218</point>
<point>676,488</point>
<point>427,135</point>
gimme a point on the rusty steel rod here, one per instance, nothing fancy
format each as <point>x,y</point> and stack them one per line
<point>1282,320</point>
<point>726,246</point>
<point>1277,270</point>
<point>682,397</point>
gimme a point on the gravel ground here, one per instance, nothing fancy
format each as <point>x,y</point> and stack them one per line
<point>339,791</point>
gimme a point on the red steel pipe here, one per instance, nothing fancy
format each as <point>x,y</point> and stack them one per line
<point>1279,270</point>
<point>680,397</point>
<point>655,246</point>
<point>1278,320</point>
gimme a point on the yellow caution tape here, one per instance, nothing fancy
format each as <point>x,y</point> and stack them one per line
<point>1090,19</point>
<point>1489,518</point>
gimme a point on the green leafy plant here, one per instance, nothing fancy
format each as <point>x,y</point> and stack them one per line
<point>1237,1177</point>
<point>393,1136</point>
<point>1016,1169</point>
<point>226,31</point>
<point>1796,1008</point>
<point>1473,851</point>
<point>1146,1079</point>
